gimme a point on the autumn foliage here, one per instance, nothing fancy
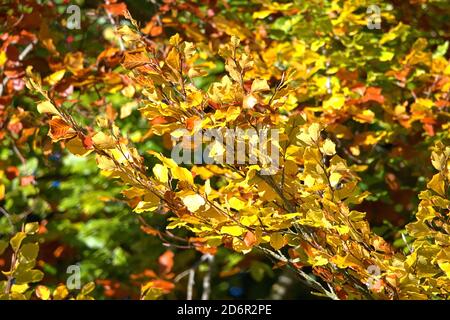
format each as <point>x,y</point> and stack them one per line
<point>357,207</point>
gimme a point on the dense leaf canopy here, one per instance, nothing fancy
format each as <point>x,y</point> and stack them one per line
<point>96,96</point>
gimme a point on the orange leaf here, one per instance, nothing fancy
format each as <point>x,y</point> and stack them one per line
<point>249,239</point>
<point>116,9</point>
<point>59,129</point>
<point>166,261</point>
<point>88,143</point>
<point>373,94</point>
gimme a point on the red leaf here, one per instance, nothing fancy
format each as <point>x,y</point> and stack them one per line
<point>88,143</point>
<point>12,172</point>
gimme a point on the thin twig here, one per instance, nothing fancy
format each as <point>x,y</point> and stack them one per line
<point>191,283</point>
<point>207,278</point>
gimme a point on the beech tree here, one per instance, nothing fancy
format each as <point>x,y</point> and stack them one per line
<point>308,139</point>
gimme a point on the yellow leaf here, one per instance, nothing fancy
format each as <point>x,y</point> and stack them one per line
<point>260,85</point>
<point>2,191</point>
<point>304,137</point>
<point>232,230</point>
<point>47,107</point>
<point>173,60</point>
<point>335,102</point>
<point>104,163</point>
<point>319,261</point>
<point>19,288</point>
<point>335,178</point>
<point>249,220</point>
<point>262,14</point>
<point>438,160</point>
<point>188,49</point>
<point>193,202</point>
<point>31,227</point>
<point>235,41</point>
<point>208,189</point>
<point>60,292</point>
<point>236,203</point>
<point>345,262</point>
<point>329,148</point>
<point>342,229</point>
<point>3,58</point>
<point>128,91</point>
<point>445,266</point>
<point>128,35</point>
<point>152,293</point>
<point>422,105</point>
<point>126,109</point>
<point>309,181</point>
<point>175,40</point>
<point>88,288</point>
<point>356,215</point>
<point>55,77</point>
<point>103,141</point>
<point>161,173</point>
<point>43,292</point>
<point>437,184</point>
<point>183,174</point>
<point>76,147</point>
<point>367,116</point>
<point>386,56</point>
<point>314,131</point>
<point>277,241</point>
<point>150,203</point>
<point>179,173</point>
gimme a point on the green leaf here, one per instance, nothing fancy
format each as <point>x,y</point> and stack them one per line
<point>3,246</point>
<point>30,251</point>
<point>16,241</point>
<point>31,228</point>
<point>29,276</point>
<point>259,269</point>
<point>47,107</point>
